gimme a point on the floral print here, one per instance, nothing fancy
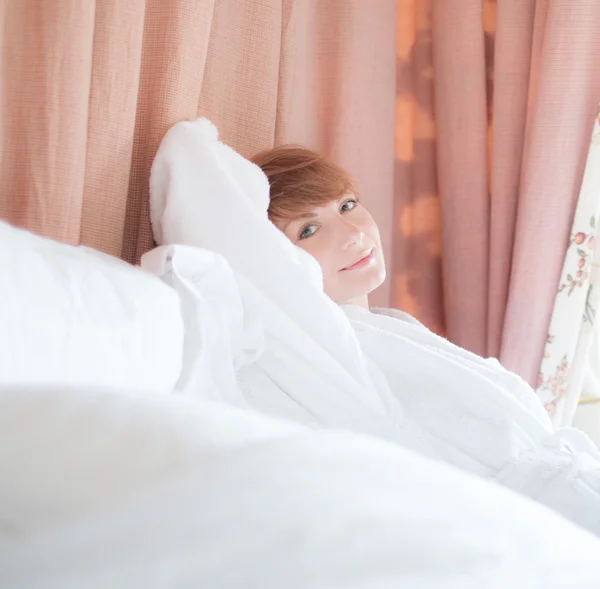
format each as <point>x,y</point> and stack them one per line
<point>585,243</point>
<point>573,316</point>
<point>555,384</point>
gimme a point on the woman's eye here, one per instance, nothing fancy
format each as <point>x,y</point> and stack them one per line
<point>307,231</point>
<point>348,205</point>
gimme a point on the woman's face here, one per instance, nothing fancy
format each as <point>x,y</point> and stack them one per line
<point>343,237</point>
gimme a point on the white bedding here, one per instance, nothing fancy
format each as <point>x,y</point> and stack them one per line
<point>366,372</point>
<point>108,489</point>
<point>72,315</point>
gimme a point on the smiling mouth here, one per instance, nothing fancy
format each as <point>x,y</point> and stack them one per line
<point>363,261</point>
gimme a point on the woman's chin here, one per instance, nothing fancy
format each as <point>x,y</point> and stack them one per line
<point>358,286</point>
<point>374,278</point>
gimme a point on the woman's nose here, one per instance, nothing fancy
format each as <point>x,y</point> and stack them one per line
<point>351,235</point>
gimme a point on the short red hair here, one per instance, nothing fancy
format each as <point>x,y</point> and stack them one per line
<point>301,179</point>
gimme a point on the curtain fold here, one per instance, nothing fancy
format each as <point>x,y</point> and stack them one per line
<point>118,37</point>
<point>174,51</point>
<point>513,43</point>
<point>416,276</point>
<point>462,123</point>
<point>46,63</point>
<point>564,94</point>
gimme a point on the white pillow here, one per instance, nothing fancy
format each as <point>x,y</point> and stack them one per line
<point>73,316</point>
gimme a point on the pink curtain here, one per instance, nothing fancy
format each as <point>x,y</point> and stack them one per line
<point>515,85</point>
<point>89,89</point>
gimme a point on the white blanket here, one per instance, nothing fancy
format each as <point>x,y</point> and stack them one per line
<point>107,489</point>
<point>375,373</point>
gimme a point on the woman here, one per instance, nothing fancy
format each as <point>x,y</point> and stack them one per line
<point>315,204</point>
<point>458,407</point>
<point>269,338</point>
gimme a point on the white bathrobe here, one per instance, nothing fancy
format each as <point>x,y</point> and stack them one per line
<point>282,346</point>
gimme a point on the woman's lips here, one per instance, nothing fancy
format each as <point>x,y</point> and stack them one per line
<point>363,261</point>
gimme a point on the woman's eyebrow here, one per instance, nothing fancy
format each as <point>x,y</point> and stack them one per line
<point>300,216</point>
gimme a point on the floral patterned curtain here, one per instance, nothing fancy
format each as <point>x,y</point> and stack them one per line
<point>571,332</point>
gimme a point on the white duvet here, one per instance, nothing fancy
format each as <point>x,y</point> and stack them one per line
<point>111,489</point>
<point>296,354</point>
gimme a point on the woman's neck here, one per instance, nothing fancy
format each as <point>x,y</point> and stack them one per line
<point>360,301</point>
